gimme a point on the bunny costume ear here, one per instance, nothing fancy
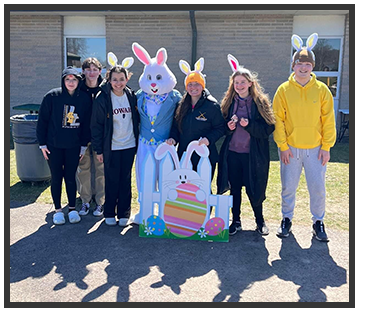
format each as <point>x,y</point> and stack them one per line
<point>127,62</point>
<point>141,53</point>
<point>163,149</point>
<point>297,42</point>
<point>311,41</point>
<point>233,62</point>
<point>202,151</point>
<point>161,56</point>
<point>184,67</point>
<point>112,59</point>
<point>199,65</point>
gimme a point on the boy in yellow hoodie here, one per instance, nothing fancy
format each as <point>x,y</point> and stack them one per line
<point>305,131</point>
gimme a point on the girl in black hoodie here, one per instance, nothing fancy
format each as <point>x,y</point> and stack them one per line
<point>63,133</point>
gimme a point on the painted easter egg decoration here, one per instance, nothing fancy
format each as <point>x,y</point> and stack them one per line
<point>155,225</point>
<point>214,226</point>
<point>185,215</point>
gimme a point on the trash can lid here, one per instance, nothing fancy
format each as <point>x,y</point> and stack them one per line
<point>24,117</point>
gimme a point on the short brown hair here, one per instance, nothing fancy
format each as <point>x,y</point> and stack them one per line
<point>118,69</point>
<point>91,60</point>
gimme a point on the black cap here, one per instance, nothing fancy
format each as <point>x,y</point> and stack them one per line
<point>71,71</point>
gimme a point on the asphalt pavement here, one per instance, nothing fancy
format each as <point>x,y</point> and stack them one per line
<point>92,262</point>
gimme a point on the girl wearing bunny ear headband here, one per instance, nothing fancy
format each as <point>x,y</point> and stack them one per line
<point>114,133</point>
<point>244,157</point>
<point>198,116</point>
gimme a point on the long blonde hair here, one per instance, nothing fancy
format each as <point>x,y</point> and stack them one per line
<point>261,99</point>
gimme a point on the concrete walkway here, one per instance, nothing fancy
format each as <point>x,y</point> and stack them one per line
<point>91,262</point>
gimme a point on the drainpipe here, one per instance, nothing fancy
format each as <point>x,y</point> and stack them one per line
<point>195,34</point>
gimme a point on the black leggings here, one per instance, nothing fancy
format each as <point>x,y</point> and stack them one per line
<point>118,183</point>
<point>63,164</point>
<point>238,177</point>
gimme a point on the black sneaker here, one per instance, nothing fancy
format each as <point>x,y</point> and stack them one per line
<point>285,228</point>
<point>319,232</point>
<point>234,227</point>
<point>262,229</point>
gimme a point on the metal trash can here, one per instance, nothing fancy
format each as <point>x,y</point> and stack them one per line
<point>30,164</point>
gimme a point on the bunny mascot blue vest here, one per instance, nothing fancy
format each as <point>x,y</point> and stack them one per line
<point>157,100</point>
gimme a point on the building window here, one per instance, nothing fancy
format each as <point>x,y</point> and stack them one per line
<point>84,37</point>
<point>80,48</point>
<point>328,57</point>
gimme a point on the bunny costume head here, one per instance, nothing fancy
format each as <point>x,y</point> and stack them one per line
<point>193,76</point>
<point>157,78</point>
<point>304,53</point>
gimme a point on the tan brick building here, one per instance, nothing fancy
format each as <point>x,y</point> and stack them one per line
<point>41,45</point>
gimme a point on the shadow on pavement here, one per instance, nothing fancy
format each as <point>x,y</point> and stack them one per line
<point>312,269</point>
<point>70,249</point>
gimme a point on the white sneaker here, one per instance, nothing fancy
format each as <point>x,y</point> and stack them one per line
<point>98,211</point>
<point>84,209</point>
<point>110,221</point>
<point>135,218</point>
<point>74,217</point>
<point>59,218</point>
<point>123,222</point>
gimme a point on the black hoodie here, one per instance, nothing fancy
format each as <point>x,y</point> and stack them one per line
<point>64,120</point>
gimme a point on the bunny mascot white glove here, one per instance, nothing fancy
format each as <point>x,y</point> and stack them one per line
<point>157,100</point>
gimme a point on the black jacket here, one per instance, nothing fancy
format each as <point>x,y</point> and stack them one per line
<point>102,120</point>
<point>259,156</point>
<point>64,120</point>
<point>205,120</point>
<point>91,91</point>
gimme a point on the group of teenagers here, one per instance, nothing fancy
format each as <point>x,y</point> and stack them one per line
<point>103,122</point>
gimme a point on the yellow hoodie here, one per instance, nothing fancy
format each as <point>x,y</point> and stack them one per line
<point>305,116</point>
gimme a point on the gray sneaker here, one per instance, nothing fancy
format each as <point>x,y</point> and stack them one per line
<point>84,209</point>
<point>98,211</point>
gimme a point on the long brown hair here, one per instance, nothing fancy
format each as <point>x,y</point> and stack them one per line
<point>261,99</point>
<point>182,109</point>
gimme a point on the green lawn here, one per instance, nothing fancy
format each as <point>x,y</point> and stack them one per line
<point>337,204</point>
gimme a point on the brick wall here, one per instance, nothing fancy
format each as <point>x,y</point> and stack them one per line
<point>173,32</point>
<point>261,43</point>
<point>36,57</point>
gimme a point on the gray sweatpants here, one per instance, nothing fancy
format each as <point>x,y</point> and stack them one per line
<point>315,177</point>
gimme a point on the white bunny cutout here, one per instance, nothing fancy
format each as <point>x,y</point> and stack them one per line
<point>183,174</point>
<point>113,61</point>
<point>297,43</point>
<point>198,68</point>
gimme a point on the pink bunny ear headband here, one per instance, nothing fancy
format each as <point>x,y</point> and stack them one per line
<point>236,67</point>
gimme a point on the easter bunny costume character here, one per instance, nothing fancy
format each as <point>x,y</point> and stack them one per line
<point>156,100</point>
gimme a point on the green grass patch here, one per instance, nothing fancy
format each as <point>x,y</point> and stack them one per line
<point>337,186</point>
